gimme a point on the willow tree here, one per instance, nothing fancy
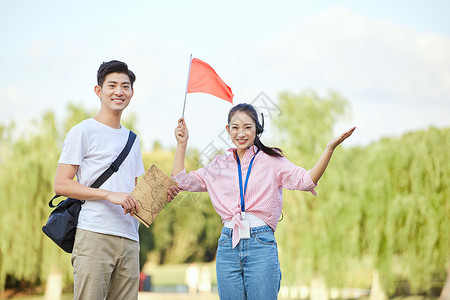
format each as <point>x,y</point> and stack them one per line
<point>311,232</point>
<point>187,229</point>
<point>26,185</point>
<point>385,205</point>
<point>406,207</point>
<point>28,163</point>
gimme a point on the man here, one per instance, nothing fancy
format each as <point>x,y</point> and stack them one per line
<point>106,251</point>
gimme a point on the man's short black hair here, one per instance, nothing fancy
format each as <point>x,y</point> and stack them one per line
<point>114,66</point>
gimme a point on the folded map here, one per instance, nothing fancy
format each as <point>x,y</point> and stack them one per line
<point>151,194</point>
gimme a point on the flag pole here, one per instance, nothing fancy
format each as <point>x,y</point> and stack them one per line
<point>187,84</point>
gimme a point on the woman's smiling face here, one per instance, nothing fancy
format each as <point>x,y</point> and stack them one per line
<point>242,130</point>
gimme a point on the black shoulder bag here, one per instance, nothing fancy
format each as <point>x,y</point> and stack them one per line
<point>62,222</point>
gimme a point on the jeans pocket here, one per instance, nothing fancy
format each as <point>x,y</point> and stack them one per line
<point>222,240</point>
<point>266,238</point>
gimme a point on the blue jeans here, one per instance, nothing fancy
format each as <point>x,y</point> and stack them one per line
<point>251,270</point>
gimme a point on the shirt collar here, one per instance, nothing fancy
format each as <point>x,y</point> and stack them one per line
<point>232,152</point>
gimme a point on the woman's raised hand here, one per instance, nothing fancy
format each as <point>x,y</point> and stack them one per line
<point>181,132</point>
<point>339,139</point>
<point>182,136</point>
<point>319,168</point>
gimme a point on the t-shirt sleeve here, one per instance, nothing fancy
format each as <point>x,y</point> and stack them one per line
<point>292,177</point>
<point>139,163</point>
<point>74,147</point>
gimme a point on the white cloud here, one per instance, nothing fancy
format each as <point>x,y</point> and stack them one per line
<point>13,96</point>
<point>341,49</point>
<point>397,78</point>
<point>391,73</point>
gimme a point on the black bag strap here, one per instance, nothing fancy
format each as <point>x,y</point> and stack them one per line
<point>114,167</point>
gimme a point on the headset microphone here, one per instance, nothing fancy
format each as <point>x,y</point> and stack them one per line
<point>262,118</point>
<point>259,127</point>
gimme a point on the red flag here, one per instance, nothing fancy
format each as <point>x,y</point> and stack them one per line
<point>203,79</point>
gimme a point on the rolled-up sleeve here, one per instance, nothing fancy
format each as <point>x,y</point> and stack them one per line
<point>292,177</point>
<point>192,181</point>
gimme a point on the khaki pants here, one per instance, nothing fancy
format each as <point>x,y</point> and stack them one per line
<point>105,267</point>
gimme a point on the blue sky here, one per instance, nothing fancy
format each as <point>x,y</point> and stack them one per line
<point>390,59</point>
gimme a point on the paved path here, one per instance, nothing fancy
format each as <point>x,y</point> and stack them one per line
<point>175,296</point>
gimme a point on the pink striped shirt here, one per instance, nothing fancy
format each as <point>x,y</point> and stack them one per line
<point>263,198</point>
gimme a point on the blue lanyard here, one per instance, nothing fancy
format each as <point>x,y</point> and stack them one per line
<point>243,190</point>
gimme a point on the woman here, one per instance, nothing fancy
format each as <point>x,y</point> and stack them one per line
<point>245,187</point>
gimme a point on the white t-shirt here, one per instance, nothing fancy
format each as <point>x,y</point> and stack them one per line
<point>93,146</point>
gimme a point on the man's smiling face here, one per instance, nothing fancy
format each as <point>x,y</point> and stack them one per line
<point>116,91</point>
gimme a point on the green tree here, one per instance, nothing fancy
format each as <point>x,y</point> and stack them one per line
<point>406,199</point>
<point>385,205</point>
<point>187,229</point>
<point>27,170</point>
<point>309,230</point>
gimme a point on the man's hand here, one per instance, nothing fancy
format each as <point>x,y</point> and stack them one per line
<point>126,200</point>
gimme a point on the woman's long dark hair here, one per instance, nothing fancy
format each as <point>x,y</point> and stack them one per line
<point>251,112</point>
